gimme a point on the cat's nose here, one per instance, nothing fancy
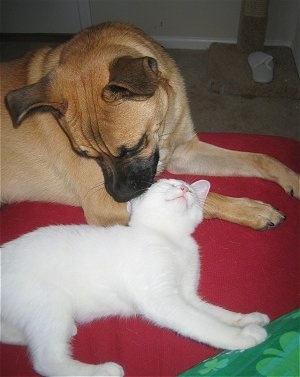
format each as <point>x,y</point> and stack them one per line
<point>184,189</point>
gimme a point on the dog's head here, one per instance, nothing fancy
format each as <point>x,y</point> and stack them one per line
<point>110,107</point>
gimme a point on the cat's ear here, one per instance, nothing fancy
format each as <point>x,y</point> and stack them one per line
<point>201,188</point>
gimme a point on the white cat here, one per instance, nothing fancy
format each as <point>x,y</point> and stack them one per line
<point>57,276</point>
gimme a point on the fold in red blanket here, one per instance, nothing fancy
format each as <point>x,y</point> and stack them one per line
<point>241,269</point>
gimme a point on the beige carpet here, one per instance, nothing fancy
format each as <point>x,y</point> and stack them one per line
<point>230,73</point>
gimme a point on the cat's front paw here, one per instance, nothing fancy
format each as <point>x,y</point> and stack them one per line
<point>255,334</point>
<point>253,318</point>
<point>109,369</point>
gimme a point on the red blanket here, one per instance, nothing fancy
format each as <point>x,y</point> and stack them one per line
<point>242,270</point>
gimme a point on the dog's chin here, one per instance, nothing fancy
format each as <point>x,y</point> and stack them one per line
<point>127,180</point>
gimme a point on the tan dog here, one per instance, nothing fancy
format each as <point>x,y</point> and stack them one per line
<point>99,116</point>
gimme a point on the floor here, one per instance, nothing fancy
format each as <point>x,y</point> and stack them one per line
<point>211,112</point>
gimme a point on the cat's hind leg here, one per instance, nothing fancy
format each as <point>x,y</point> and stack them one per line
<point>48,341</point>
<point>175,313</point>
<point>10,334</point>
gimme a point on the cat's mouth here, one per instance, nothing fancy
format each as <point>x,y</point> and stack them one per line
<point>184,192</point>
<point>177,198</point>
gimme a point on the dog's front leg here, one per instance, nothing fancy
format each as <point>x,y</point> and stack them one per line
<point>248,212</point>
<point>101,209</point>
<point>195,157</point>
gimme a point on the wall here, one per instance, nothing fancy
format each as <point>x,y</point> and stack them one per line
<point>44,16</point>
<point>282,22</point>
<point>174,23</point>
<point>296,39</point>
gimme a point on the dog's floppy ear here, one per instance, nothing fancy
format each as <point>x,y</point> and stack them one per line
<point>131,78</point>
<point>30,99</point>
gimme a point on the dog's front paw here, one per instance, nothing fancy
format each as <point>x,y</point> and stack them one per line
<point>292,186</point>
<point>261,216</point>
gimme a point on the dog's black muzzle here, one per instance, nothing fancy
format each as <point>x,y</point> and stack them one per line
<point>126,179</point>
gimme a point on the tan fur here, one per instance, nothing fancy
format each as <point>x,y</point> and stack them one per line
<point>74,83</point>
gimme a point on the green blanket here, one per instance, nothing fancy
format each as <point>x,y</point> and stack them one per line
<point>278,355</point>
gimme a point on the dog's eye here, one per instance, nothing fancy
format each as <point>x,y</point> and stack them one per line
<point>127,152</point>
<point>82,153</point>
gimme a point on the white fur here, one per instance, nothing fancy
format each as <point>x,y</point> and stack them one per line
<point>58,276</point>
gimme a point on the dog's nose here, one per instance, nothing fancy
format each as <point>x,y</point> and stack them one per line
<point>129,180</point>
<point>125,192</point>
<point>128,186</point>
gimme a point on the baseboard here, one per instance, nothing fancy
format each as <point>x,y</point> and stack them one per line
<point>188,43</point>
<point>195,43</point>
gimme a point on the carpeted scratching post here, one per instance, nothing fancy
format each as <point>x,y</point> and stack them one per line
<point>253,25</point>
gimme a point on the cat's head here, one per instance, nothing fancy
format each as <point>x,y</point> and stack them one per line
<point>170,203</point>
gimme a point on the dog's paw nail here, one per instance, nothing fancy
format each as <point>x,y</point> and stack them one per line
<point>292,192</point>
<point>270,224</point>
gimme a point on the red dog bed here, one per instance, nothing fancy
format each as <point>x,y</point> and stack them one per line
<point>242,270</point>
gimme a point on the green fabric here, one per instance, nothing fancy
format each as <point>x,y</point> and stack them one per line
<point>278,355</point>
